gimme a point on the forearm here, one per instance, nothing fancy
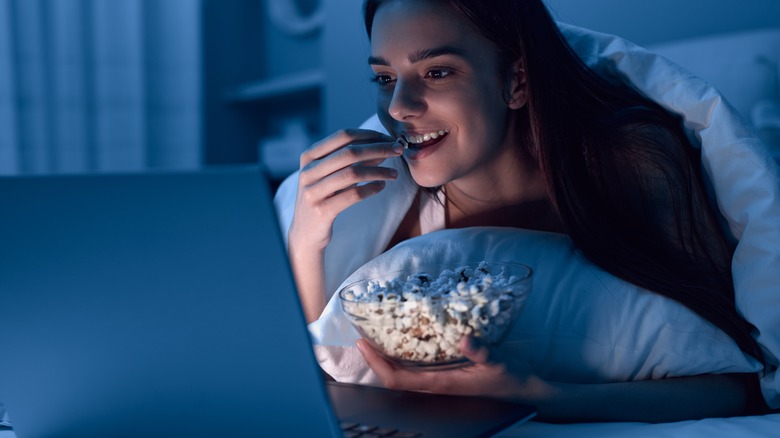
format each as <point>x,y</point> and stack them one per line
<point>309,270</point>
<point>662,400</point>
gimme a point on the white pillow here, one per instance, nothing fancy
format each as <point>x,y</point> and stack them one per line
<point>579,324</point>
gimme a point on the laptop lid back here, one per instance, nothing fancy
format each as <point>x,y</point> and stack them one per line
<point>157,304</point>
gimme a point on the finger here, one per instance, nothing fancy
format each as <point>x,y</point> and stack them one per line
<point>350,155</point>
<point>394,377</point>
<point>346,157</point>
<point>326,209</point>
<point>474,350</point>
<point>347,197</point>
<point>349,178</point>
<point>340,139</point>
<point>374,162</point>
<point>383,368</point>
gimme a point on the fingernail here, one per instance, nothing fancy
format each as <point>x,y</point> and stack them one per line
<point>394,173</point>
<point>398,148</point>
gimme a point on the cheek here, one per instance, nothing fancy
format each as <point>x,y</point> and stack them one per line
<point>475,100</point>
<point>382,105</point>
<point>481,116</point>
<point>383,99</point>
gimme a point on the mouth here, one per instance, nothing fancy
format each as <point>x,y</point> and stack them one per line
<point>422,141</point>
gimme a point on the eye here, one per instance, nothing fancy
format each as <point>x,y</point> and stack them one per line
<point>382,80</point>
<point>439,73</point>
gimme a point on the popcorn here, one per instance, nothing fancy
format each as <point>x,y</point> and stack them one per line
<point>421,319</point>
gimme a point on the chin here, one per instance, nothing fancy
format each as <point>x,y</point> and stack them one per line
<point>426,180</point>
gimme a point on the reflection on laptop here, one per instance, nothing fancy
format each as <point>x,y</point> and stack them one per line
<point>162,304</point>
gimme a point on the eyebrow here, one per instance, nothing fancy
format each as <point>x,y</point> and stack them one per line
<point>421,55</point>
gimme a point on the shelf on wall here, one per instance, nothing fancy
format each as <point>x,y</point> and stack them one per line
<point>271,89</point>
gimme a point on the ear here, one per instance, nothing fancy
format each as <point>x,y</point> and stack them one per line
<point>517,90</point>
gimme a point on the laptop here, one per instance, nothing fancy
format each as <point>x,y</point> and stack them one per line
<point>162,304</point>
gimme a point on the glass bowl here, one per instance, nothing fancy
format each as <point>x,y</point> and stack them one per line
<point>417,319</point>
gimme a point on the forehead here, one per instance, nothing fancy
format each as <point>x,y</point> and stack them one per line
<point>401,27</point>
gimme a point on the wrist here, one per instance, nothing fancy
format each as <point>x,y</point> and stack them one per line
<point>539,391</point>
<point>305,242</point>
<point>550,398</point>
<point>301,250</point>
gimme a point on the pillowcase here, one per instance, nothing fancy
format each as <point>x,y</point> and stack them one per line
<point>579,323</point>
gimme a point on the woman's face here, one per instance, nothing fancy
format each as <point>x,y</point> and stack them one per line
<point>440,87</point>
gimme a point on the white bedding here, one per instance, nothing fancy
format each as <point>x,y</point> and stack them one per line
<point>738,427</point>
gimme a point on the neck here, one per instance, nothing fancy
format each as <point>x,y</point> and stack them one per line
<point>520,200</point>
<point>533,215</point>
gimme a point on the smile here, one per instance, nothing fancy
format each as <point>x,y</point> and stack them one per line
<point>420,141</point>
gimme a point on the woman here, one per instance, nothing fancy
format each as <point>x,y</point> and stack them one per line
<point>513,130</point>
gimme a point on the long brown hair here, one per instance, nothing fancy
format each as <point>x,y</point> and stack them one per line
<point>620,169</point>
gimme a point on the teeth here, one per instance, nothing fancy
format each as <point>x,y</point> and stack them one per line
<point>416,139</point>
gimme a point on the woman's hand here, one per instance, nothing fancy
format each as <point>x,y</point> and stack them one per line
<point>335,174</point>
<point>491,375</point>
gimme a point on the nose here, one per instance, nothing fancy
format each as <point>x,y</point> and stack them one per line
<point>407,101</point>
